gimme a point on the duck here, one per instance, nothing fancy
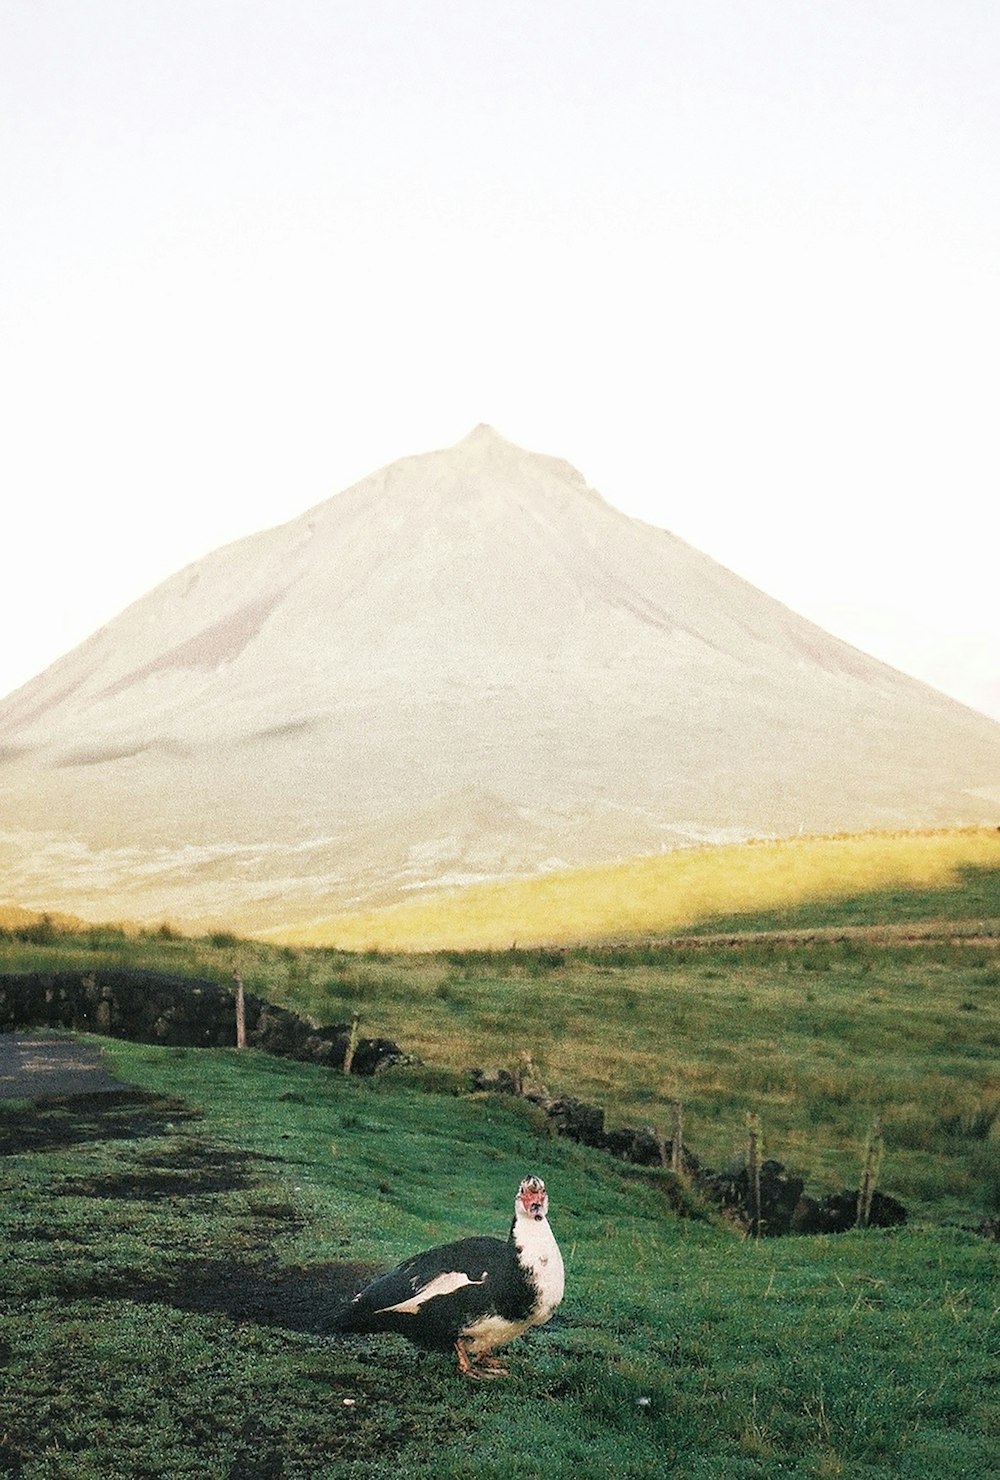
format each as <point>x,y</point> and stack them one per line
<point>471,1296</point>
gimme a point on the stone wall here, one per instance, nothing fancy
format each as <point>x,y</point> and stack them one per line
<point>154,1007</point>
<point>784,1206</point>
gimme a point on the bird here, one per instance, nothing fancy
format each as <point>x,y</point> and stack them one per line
<point>472,1295</point>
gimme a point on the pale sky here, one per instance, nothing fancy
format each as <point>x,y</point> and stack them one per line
<point>736,260</point>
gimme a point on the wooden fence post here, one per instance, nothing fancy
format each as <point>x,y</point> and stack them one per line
<point>874,1147</point>
<point>753,1172</point>
<point>241,1012</point>
<point>677,1138</point>
<point>352,1043</point>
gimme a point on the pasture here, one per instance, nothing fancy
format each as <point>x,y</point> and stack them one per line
<point>816,1017</point>
<point>169,1262</point>
<point>677,890</point>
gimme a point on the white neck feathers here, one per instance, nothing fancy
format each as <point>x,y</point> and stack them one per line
<point>538,1253</point>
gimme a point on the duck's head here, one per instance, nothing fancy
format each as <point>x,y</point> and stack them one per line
<point>531,1200</point>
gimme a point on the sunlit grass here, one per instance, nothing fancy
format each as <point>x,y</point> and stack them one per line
<point>660,894</point>
<point>680,1349</point>
<point>13,917</point>
<point>814,1035</point>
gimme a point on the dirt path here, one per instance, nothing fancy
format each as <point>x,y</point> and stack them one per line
<point>43,1065</point>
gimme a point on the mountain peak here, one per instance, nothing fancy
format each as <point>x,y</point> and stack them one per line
<point>486,452</point>
<point>485,444</point>
<point>480,434</point>
<point>311,717</point>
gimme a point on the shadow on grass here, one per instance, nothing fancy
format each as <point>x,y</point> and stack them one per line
<point>122,1115</point>
<point>184,1170</point>
<point>292,1297</point>
<point>190,1169</point>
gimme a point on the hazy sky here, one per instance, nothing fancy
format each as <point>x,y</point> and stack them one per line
<point>737,260</point>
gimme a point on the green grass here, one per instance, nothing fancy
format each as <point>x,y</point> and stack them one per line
<point>973,897</point>
<point>160,1324</point>
<point>815,1038</point>
<point>665,893</point>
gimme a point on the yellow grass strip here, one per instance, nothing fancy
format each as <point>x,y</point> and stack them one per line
<point>13,917</point>
<point>656,895</point>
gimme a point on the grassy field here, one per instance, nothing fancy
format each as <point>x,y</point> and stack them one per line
<point>169,1264</point>
<point>815,1036</point>
<point>662,894</point>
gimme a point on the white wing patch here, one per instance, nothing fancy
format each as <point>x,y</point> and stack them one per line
<point>441,1284</point>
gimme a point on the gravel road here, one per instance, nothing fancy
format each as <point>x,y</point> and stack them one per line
<point>42,1065</point>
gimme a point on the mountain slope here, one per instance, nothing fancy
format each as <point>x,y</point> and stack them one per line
<point>466,665</point>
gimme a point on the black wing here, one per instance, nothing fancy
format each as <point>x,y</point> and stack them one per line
<point>436,1289</point>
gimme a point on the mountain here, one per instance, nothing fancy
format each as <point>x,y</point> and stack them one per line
<point>466,665</point>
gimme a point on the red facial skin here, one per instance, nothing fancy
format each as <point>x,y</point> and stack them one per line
<point>533,1200</point>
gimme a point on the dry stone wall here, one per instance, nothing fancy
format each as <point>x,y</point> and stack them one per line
<point>156,1007</point>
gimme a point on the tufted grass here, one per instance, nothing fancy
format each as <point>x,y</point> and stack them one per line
<point>815,1033</point>
<point>155,1330</point>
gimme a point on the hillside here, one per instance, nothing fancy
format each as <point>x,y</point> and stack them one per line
<point>658,896</point>
<point>468,666</point>
<point>209,1223</point>
<point>816,1016</point>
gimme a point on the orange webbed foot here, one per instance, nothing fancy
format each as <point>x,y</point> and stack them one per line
<point>480,1368</point>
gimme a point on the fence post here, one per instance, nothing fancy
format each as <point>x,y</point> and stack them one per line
<point>241,1012</point>
<point>874,1147</point>
<point>753,1172</point>
<point>677,1138</point>
<point>352,1043</point>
